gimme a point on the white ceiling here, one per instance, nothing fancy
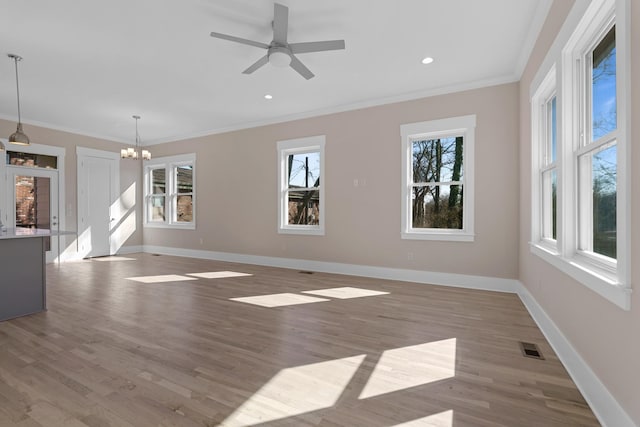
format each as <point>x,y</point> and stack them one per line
<point>89,65</point>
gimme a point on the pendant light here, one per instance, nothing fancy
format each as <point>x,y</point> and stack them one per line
<point>19,137</point>
<point>132,152</point>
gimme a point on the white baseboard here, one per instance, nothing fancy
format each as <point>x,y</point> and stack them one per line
<point>417,276</point>
<point>125,250</point>
<point>604,405</point>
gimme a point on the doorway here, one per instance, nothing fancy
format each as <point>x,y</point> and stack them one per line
<point>34,194</point>
<point>98,185</point>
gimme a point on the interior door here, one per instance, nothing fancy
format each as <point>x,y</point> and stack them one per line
<point>96,201</point>
<point>34,195</point>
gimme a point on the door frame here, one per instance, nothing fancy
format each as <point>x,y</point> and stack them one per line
<point>49,150</point>
<point>54,209</point>
<point>82,154</point>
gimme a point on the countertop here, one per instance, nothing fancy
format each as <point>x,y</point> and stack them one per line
<point>22,233</point>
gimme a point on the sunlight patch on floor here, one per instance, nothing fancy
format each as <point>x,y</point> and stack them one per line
<point>161,279</point>
<point>345,292</point>
<point>218,274</point>
<point>113,259</point>
<point>441,419</point>
<point>278,300</point>
<point>296,391</point>
<point>412,366</point>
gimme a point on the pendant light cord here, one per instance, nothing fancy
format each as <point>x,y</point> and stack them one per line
<point>17,58</point>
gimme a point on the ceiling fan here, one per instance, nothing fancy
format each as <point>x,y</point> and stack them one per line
<point>280,52</point>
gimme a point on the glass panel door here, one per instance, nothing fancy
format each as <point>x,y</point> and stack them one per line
<point>35,198</point>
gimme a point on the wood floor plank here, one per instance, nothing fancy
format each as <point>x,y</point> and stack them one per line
<point>111,351</point>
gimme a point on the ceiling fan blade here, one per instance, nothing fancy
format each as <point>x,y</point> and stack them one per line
<point>300,68</point>
<point>280,23</point>
<point>239,40</point>
<point>259,63</point>
<point>307,47</point>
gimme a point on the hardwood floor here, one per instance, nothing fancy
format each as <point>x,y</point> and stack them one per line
<point>112,351</point>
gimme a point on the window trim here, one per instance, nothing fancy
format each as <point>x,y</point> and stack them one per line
<point>284,149</point>
<point>453,126</point>
<point>546,90</point>
<point>609,281</point>
<point>169,163</point>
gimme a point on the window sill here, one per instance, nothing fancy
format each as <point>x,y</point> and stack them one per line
<point>598,280</point>
<point>450,236</point>
<point>189,226</point>
<point>315,231</point>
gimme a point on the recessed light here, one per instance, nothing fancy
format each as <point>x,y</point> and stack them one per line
<point>427,60</point>
<point>267,96</point>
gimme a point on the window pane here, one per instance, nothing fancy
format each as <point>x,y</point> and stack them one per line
<point>603,90</point>
<point>158,181</point>
<point>437,160</point>
<point>184,179</point>
<point>184,209</point>
<point>157,208</point>
<point>553,131</point>
<point>34,160</point>
<point>438,206</point>
<point>304,207</point>
<point>304,170</point>
<point>549,204</point>
<point>604,201</point>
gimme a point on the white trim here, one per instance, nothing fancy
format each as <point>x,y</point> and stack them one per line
<point>91,152</point>
<point>539,142</point>
<point>570,23</point>
<point>611,279</point>
<point>284,149</point>
<point>539,17</point>
<point>168,163</point>
<point>82,153</point>
<point>448,127</point>
<point>598,281</point>
<point>409,96</point>
<point>417,276</point>
<point>126,250</point>
<point>49,150</point>
<point>602,402</point>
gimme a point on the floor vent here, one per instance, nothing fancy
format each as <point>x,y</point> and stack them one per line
<point>530,350</point>
<point>305,272</point>
<point>155,254</point>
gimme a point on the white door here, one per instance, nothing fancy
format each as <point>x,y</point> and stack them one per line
<point>34,195</point>
<point>96,197</point>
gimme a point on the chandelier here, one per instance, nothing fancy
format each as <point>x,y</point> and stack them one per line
<point>132,152</point>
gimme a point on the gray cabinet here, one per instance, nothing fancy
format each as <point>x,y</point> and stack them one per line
<point>22,276</point>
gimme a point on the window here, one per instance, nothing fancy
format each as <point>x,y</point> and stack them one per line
<point>301,196</point>
<point>544,107</point>
<point>170,192</point>
<point>583,227</point>
<point>437,179</point>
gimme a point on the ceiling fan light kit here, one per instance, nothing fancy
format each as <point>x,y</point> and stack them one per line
<point>279,57</point>
<point>281,53</point>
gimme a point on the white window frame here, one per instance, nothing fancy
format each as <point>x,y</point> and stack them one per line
<point>170,164</point>
<point>294,146</point>
<point>609,278</point>
<point>454,126</point>
<point>541,163</point>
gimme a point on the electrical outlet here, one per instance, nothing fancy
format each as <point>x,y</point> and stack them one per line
<point>410,256</point>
